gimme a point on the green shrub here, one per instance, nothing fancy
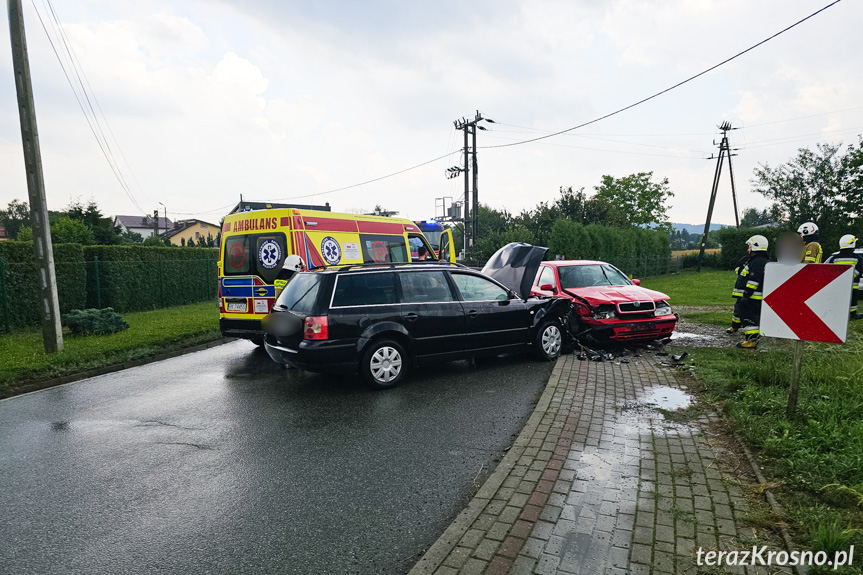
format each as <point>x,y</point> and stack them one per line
<point>94,321</point>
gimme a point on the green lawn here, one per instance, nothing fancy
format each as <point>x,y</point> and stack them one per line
<point>695,288</point>
<point>22,357</point>
<point>808,455</point>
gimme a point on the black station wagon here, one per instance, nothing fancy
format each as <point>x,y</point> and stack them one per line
<point>384,320</point>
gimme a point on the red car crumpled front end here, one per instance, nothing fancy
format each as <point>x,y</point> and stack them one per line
<point>607,305</point>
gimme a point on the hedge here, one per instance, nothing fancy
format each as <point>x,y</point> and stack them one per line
<point>636,251</point>
<point>136,278</point>
<point>126,278</point>
<point>19,305</point>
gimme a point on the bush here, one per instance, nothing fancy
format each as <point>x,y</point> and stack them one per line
<point>636,251</point>
<point>94,321</point>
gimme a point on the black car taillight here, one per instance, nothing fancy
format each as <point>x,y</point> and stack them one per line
<point>315,327</point>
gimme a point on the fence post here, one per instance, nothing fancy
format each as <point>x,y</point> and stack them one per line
<point>98,284</point>
<point>161,283</point>
<point>4,301</point>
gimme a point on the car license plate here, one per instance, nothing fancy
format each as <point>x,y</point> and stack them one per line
<point>239,306</point>
<point>641,327</point>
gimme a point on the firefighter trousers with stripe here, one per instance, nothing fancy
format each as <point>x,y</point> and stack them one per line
<point>748,312</point>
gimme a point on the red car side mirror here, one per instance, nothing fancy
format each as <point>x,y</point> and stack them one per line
<point>637,282</point>
<point>548,287</point>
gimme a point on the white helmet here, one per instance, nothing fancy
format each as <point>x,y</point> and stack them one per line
<point>807,229</point>
<point>757,243</point>
<point>293,263</point>
<point>847,241</point>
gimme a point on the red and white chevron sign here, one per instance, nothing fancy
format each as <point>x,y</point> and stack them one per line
<point>808,302</point>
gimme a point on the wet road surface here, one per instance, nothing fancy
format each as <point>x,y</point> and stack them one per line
<point>220,462</point>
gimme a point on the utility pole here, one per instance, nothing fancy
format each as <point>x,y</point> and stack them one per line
<point>166,216</point>
<point>724,150</point>
<point>471,215</point>
<point>156,223</point>
<point>49,310</point>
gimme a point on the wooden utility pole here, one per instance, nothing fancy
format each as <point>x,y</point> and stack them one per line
<point>49,309</point>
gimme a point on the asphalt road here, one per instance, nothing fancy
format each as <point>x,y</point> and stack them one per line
<point>220,462</point>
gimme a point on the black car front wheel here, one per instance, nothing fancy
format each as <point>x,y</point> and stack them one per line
<point>385,364</point>
<point>548,341</point>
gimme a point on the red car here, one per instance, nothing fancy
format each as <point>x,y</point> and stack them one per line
<point>616,308</point>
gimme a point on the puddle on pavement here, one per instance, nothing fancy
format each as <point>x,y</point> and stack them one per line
<point>668,398</point>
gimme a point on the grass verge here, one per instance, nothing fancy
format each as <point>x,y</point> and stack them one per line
<point>22,357</point>
<point>707,287</point>
<point>816,458</point>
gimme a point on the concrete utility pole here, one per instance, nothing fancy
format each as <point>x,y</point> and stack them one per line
<point>471,214</point>
<point>156,223</point>
<point>49,310</point>
<point>724,150</point>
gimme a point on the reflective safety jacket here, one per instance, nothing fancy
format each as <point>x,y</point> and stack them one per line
<point>750,277</point>
<point>848,257</point>
<point>812,254</point>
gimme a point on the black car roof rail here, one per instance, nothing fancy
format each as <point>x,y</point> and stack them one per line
<point>393,265</point>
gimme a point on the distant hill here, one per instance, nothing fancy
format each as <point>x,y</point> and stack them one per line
<point>696,228</point>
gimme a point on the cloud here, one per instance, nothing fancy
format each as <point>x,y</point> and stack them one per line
<point>282,99</point>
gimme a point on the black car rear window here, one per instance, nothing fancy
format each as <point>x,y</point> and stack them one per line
<point>365,289</point>
<point>301,292</point>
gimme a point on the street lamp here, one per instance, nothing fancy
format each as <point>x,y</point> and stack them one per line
<point>166,216</point>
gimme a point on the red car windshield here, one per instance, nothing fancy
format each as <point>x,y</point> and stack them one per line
<point>591,275</point>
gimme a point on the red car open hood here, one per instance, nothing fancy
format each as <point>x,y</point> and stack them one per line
<point>515,266</point>
<point>598,295</point>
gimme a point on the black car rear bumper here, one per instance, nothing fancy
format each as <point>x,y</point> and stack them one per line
<point>320,356</point>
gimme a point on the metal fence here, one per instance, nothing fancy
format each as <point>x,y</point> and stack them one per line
<point>125,286</point>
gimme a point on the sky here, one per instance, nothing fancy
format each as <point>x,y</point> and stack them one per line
<point>201,101</point>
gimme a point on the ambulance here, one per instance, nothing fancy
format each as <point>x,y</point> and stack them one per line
<point>255,244</point>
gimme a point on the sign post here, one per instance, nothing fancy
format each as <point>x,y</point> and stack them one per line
<point>806,302</point>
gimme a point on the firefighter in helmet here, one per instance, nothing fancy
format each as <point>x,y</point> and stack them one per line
<point>748,292</point>
<point>846,256</point>
<point>812,252</point>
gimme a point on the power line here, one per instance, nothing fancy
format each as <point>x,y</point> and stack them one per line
<point>372,180</point>
<point>91,118</point>
<point>703,156</point>
<point>657,94</point>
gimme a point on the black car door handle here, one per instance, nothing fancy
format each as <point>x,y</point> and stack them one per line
<point>411,316</point>
<point>472,313</point>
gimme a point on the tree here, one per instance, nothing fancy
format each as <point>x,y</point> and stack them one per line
<point>752,217</point>
<point>154,241</point>
<point>640,201</point>
<point>823,185</point>
<point>182,242</point>
<point>130,237</point>
<point>64,230</point>
<point>14,217</point>
<point>104,230</point>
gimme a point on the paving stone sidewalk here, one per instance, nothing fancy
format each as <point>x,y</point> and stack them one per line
<point>602,480</point>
